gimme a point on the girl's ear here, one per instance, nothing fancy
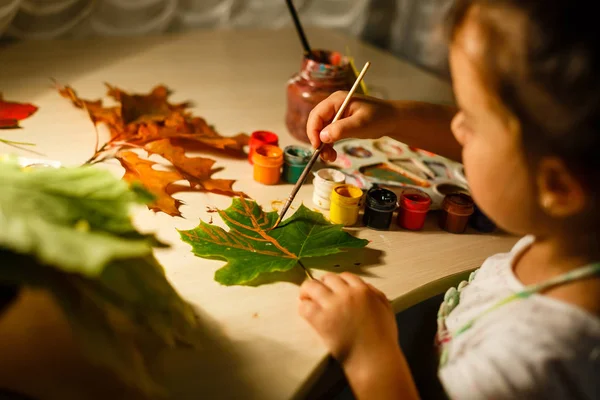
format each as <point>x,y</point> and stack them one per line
<point>560,194</point>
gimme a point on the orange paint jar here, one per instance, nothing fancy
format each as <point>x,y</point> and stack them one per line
<point>267,161</point>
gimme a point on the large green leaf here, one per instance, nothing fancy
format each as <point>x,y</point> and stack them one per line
<point>252,248</point>
<point>76,219</point>
<point>68,231</point>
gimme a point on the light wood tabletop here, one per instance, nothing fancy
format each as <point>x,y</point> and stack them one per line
<point>255,344</point>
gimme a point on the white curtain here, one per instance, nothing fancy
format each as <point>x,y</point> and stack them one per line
<point>406,27</point>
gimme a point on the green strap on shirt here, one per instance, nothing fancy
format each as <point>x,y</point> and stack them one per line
<point>579,273</point>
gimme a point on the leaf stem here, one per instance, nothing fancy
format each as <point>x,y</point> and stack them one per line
<point>105,147</point>
<point>306,270</point>
<point>19,145</point>
<point>6,141</point>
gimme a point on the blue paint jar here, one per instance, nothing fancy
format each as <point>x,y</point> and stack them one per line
<point>380,205</point>
<point>295,159</point>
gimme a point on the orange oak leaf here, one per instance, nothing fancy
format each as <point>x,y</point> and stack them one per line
<point>196,170</point>
<point>151,122</point>
<point>152,107</point>
<point>157,182</point>
<point>97,112</point>
<point>150,133</point>
<point>140,119</point>
<point>11,113</point>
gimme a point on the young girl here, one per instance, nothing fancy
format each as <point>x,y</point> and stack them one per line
<point>526,75</point>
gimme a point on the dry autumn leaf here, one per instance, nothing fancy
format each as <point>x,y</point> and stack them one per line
<point>196,170</point>
<point>151,122</point>
<point>140,119</point>
<point>157,182</point>
<point>152,107</point>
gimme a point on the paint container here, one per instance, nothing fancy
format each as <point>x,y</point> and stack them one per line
<point>344,204</point>
<point>443,188</point>
<point>456,210</point>
<point>323,183</point>
<point>379,210</point>
<point>317,80</point>
<point>267,161</point>
<point>414,205</point>
<point>481,222</point>
<point>446,188</point>
<point>295,159</point>
<point>259,138</point>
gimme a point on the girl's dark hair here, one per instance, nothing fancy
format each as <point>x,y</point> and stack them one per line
<point>543,62</point>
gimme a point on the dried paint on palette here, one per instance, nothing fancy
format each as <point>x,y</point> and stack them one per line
<point>383,172</point>
<point>439,169</point>
<point>409,166</point>
<point>358,151</point>
<point>421,151</point>
<point>388,147</point>
<point>342,161</point>
<point>357,179</point>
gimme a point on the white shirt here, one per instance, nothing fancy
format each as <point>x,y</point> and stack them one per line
<point>534,348</point>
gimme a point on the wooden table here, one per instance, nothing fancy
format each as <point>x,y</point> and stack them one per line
<point>257,347</point>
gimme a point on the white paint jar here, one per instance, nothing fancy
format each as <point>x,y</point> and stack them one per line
<point>324,182</point>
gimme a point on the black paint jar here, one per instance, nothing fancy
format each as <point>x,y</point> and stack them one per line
<point>380,205</point>
<point>481,222</point>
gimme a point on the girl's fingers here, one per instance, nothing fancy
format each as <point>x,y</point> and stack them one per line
<point>379,294</point>
<point>335,283</point>
<point>318,118</point>
<point>308,309</point>
<point>352,279</point>
<point>315,290</point>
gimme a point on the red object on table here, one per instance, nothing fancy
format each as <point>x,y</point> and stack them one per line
<point>260,138</point>
<point>414,205</point>
<point>11,113</point>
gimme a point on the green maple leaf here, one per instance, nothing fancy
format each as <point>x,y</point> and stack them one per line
<point>251,248</point>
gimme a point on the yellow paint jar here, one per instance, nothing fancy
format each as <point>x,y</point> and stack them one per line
<point>267,161</point>
<point>344,206</point>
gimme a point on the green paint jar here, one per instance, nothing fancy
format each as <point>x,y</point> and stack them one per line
<point>295,159</point>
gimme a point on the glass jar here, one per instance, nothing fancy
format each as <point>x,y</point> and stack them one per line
<point>313,84</point>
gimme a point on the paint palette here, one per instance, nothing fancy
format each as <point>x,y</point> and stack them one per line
<point>396,166</point>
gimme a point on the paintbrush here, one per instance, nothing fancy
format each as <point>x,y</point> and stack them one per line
<point>318,151</point>
<point>307,51</point>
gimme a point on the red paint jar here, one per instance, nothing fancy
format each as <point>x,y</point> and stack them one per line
<point>414,205</point>
<point>313,84</point>
<point>456,210</point>
<point>260,138</point>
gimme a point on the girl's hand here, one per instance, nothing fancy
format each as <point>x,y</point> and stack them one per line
<point>364,117</point>
<point>354,319</point>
